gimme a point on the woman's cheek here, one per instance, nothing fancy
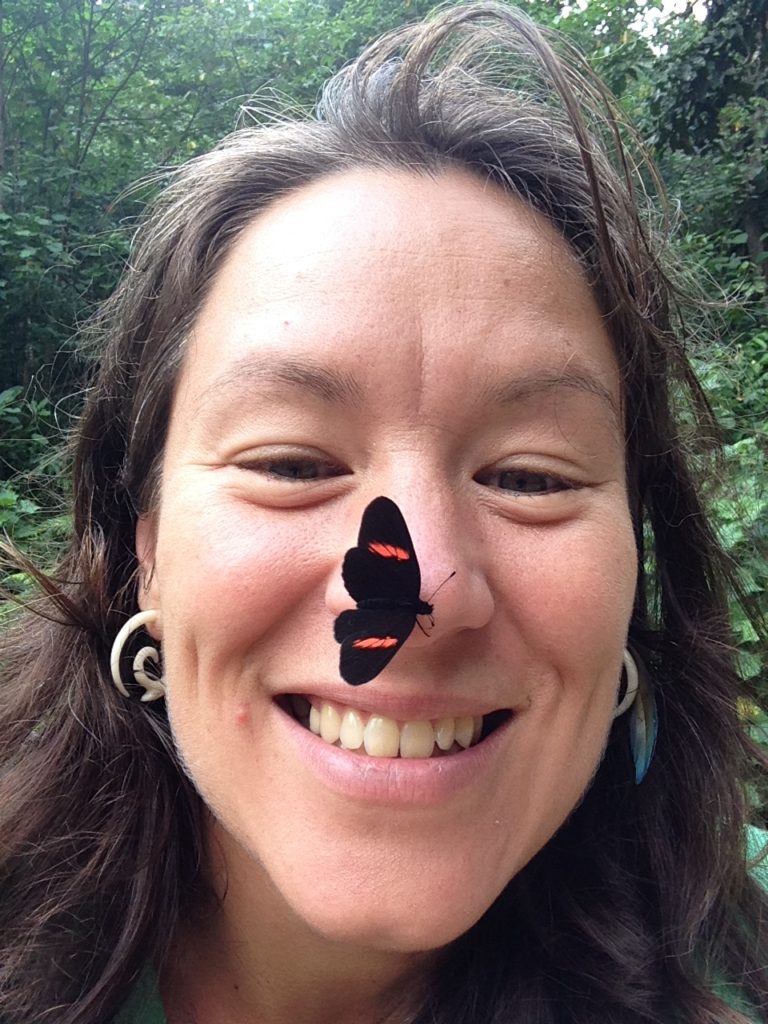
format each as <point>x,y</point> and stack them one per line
<point>238,585</point>
<point>571,578</point>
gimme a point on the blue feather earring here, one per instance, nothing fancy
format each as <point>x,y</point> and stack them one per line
<point>639,700</point>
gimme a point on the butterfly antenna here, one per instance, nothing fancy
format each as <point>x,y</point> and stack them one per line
<point>440,587</point>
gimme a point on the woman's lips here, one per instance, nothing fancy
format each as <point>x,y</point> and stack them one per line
<point>416,776</point>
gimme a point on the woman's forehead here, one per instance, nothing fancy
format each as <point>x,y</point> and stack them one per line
<point>352,222</point>
<point>380,270</point>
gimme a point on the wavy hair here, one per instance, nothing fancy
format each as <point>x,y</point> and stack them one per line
<point>642,901</point>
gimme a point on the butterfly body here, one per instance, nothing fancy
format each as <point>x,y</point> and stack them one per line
<point>418,607</point>
<point>382,574</point>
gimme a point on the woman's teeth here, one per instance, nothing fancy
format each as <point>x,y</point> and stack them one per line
<point>379,736</point>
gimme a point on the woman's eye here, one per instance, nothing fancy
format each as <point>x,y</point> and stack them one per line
<point>521,481</point>
<point>296,468</point>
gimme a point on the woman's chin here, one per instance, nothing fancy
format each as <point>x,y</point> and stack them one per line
<point>398,927</point>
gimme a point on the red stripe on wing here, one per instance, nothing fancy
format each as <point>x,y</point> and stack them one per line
<point>374,642</point>
<point>378,547</point>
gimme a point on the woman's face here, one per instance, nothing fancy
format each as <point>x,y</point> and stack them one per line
<point>434,341</point>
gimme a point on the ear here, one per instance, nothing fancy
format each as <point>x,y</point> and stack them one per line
<point>148,595</point>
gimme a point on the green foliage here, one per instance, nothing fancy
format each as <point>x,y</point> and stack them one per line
<point>707,117</point>
<point>31,527</point>
<point>736,380</point>
<point>31,502</point>
<point>734,372</point>
<point>24,430</point>
<point>741,513</point>
<point>95,96</point>
<point>708,67</point>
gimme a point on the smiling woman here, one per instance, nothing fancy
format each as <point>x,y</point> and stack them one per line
<point>414,355</point>
<point>503,490</point>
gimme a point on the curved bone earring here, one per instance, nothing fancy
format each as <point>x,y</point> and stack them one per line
<point>643,718</point>
<point>154,688</point>
<point>633,684</point>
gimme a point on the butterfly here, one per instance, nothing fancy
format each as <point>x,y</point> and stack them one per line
<point>382,575</point>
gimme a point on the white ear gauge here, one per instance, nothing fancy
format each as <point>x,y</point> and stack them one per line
<point>154,687</point>
<point>633,682</point>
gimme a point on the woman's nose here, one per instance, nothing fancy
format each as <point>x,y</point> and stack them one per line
<point>454,580</point>
<point>446,544</point>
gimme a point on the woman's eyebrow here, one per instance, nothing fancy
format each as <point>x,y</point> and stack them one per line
<point>539,382</point>
<point>253,377</point>
<point>250,377</point>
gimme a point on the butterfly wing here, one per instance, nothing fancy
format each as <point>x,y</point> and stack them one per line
<point>382,575</point>
<point>383,567</point>
<point>369,640</point>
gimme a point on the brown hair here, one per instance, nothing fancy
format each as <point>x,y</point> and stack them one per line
<point>642,898</point>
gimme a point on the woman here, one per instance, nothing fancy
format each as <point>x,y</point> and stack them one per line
<point>428,328</point>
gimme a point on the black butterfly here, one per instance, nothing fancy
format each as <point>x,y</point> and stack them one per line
<point>382,574</point>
